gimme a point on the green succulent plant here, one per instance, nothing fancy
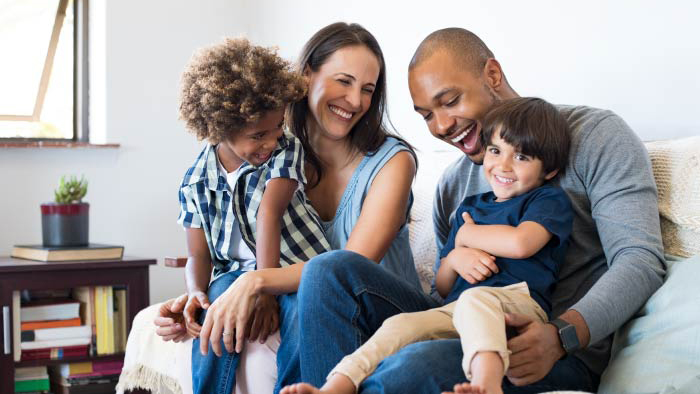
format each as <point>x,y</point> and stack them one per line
<point>71,191</point>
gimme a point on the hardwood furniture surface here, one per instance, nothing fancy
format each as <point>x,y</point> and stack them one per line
<point>19,274</point>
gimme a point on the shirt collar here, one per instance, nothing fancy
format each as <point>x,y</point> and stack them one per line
<point>213,178</point>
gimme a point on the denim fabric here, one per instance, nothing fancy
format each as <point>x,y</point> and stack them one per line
<point>343,299</point>
<point>288,368</point>
<point>436,366</point>
<point>212,374</point>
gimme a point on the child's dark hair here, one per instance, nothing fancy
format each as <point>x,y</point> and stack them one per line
<point>229,85</point>
<point>534,126</point>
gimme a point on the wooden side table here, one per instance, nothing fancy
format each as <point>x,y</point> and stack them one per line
<point>18,274</point>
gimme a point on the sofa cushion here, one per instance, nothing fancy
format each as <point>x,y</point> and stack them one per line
<point>659,349</point>
<point>431,165</point>
<point>676,165</point>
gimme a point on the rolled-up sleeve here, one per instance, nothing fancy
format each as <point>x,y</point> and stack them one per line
<point>189,215</point>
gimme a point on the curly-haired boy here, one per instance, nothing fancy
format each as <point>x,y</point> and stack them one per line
<point>242,202</point>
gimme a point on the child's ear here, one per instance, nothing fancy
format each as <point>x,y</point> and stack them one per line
<point>551,175</point>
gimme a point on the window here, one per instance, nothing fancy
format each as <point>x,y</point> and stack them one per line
<point>43,72</point>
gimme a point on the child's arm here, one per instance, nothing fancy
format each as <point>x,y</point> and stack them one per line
<point>197,275</point>
<point>512,242</point>
<point>275,200</point>
<point>473,265</point>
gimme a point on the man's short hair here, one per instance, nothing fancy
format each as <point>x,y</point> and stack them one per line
<point>461,43</point>
<point>534,126</point>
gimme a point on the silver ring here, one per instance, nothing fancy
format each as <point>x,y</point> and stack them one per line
<point>226,333</point>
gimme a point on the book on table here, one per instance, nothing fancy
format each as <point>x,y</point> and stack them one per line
<point>72,253</point>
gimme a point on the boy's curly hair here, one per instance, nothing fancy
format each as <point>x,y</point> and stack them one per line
<point>234,83</point>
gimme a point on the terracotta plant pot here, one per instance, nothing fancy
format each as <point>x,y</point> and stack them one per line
<point>65,224</point>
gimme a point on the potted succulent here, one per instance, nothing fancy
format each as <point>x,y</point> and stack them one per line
<point>65,221</point>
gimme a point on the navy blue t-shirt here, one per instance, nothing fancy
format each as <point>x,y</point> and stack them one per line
<point>548,206</point>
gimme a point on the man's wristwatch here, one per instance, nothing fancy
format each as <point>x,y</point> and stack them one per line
<point>567,335</point>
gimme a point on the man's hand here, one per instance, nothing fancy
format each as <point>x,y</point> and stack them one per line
<point>197,301</point>
<point>170,320</point>
<point>473,265</point>
<point>265,319</point>
<point>534,350</point>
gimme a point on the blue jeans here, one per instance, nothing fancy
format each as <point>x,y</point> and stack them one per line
<point>212,374</point>
<point>343,300</point>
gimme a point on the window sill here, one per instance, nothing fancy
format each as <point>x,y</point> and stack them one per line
<point>54,144</point>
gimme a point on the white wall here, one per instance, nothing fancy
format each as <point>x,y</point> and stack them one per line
<point>638,58</point>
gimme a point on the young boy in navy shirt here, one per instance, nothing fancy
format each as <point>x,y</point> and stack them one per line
<point>502,254</point>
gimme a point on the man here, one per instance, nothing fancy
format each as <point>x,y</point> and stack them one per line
<point>614,263</point>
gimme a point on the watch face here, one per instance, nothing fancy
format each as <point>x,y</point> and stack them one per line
<point>569,338</point>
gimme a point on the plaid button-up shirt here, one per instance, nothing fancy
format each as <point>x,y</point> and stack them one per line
<point>207,202</point>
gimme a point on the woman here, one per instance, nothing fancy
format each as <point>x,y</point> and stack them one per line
<point>359,183</point>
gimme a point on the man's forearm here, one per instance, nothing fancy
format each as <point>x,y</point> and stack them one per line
<point>618,294</point>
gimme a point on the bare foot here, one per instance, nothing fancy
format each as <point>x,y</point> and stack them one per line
<point>300,388</point>
<point>466,388</point>
<point>337,384</point>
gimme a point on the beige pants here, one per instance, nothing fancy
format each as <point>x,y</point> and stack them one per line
<point>477,317</point>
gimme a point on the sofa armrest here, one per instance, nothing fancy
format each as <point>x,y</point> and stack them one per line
<point>175,262</point>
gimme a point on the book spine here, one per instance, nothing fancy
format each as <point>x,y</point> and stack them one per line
<point>37,325</point>
<point>110,319</point>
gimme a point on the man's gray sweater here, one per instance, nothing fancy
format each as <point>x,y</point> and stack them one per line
<point>615,257</point>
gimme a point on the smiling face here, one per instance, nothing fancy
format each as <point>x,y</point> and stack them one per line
<point>510,172</point>
<point>453,101</point>
<point>255,142</point>
<point>341,90</point>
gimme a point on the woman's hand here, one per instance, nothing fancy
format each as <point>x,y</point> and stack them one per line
<point>265,319</point>
<point>229,315</point>
<point>473,265</point>
<point>197,300</point>
<point>170,320</point>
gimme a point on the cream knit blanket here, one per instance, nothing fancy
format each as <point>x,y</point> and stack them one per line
<point>676,166</point>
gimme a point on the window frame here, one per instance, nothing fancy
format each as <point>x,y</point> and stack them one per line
<point>80,78</point>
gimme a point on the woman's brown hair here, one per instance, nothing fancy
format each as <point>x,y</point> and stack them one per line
<point>371,130</point>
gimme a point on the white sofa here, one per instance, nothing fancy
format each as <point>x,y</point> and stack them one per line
<point>656,351</point>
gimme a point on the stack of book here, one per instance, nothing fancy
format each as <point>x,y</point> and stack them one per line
<point>85,378</point>
<point>31,380</point>
<point>51,329</point>
<point>92,322</point>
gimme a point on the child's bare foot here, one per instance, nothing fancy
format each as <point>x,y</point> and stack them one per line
<point>466,388</point>
<point>487,374</point>
<point>337,384</point>
<point>300,388</point>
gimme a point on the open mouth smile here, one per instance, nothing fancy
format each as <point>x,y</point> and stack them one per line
<point>341,112</point>
<point>467,140</point>
<point>504,180</point>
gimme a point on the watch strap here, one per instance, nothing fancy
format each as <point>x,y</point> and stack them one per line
<point>567,335</point>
